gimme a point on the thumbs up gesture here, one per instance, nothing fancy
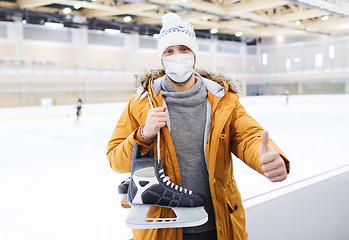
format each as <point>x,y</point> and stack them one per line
<point>272,164</point>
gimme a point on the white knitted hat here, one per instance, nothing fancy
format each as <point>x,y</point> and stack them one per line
<point>176,32</point>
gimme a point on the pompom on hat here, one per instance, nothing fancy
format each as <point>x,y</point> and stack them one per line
<point>176,32</point>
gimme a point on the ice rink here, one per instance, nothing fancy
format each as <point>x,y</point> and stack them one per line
<point>56,183</point>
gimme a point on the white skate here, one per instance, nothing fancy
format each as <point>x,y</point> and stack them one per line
<point>149,186</point>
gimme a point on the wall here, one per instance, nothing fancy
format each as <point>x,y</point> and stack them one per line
<point>29,89</point>
<point>95,58</point>
<point>302,56</point>
<point>316,208</point>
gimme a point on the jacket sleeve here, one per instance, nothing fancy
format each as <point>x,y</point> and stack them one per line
<point>246,139</point>
<point>126,133</point>
<point>119,150</point>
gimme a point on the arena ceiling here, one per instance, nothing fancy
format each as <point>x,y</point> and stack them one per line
<point>252,18</point>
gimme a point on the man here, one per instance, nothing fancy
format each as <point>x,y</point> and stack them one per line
<point>202,123</point>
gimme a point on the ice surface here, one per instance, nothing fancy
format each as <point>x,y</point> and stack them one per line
<point>56,183</point>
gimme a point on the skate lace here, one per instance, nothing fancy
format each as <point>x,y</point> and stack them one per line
<point>167,181</point>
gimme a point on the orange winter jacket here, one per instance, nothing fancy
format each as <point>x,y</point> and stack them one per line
<point>232,131</point>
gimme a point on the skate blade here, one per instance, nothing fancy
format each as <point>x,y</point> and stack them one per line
<point>186,217</point>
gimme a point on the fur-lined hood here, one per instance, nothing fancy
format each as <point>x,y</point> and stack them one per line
<point>234,85</point>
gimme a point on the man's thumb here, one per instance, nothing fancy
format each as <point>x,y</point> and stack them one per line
<point>264,142</point>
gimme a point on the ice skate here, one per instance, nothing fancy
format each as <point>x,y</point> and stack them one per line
<point>149,186</point>
<point>122,190</point>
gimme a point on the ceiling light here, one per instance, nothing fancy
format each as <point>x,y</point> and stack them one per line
<point>24,21</point>
<point>214,30</point>
<point>324,18</point>
<point>297,22</point>
<point>205,18</point>
<point>127,19</point>
<point>112,31</point>
<point>66,10</point>
<point>53,24</point>
<point>184,1</point>
<point>238,34</point>
<point>77,6</point>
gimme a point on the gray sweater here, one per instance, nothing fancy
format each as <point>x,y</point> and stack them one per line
<point>187,111</point>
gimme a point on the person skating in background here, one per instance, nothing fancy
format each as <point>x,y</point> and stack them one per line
<point>202,123</point>
<point>287,93</point>
<point>78,109</point>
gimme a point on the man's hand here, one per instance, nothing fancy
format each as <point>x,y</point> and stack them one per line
<point>156,119</point>
<point>272,164</point>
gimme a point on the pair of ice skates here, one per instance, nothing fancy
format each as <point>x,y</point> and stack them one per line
<point>149,186</point>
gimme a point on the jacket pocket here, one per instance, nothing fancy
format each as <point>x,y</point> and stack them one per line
<point>234,202</point>
<point>236,211</point>
<point>232,207</point>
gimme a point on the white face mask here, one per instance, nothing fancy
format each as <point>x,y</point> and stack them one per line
<point>179,67</point>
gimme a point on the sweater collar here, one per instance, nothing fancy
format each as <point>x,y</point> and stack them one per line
<point>211,86</point>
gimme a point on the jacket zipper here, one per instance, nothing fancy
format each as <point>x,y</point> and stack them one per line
<point>210,139</point>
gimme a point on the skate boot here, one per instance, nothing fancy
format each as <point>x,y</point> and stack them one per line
<point>149,186</point>
<point>122,190</point>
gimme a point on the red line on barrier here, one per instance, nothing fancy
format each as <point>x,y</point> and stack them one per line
<point>295,183</point>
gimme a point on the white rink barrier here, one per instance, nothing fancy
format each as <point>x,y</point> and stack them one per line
<point>314,208</point>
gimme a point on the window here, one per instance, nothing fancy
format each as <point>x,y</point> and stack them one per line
<point>264,59</point>
<point>331,51</point>
<point>318,60</point>
<point>47,34</point>
<point>3,31</point>
<point>288,64</point>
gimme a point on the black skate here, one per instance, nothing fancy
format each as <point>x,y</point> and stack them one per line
<point>149,186</point>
